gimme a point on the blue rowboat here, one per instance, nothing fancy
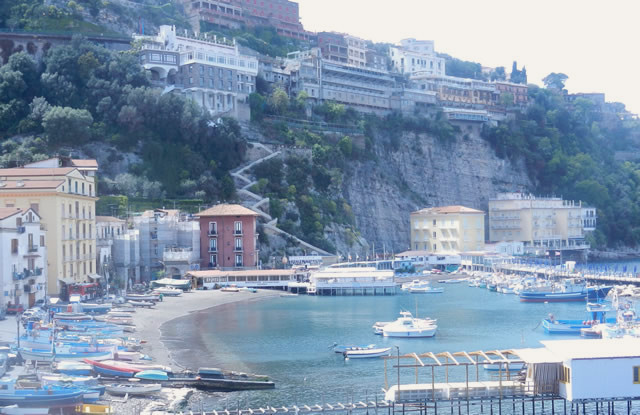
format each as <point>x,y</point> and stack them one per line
<point>152,375</point>
<point>73,368</point>
<point>49,397</point>
<point>53,356</point>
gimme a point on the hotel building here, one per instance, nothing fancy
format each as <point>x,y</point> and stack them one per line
<point>413,56</point>
<point>64,198</point>
<point>212,72</point>
<point>450,229</point>
<point>541,223</point>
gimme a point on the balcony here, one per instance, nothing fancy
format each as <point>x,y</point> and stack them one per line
<point>213,249</point>
<point>27,273</point>
<point>213,232</point>
<point>33,248</point>
<point>237,249</point>
<point>237,232</point>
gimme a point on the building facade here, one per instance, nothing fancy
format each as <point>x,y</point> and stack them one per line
<point>228,237</point>
<point>450,229</point>
<point>64,198</point>
<point>283,15</point>
<point>118,251</point>
<point>520,92</point>
<point>212,71</point>
<point>160,231</point>
<point>22,257</point>
<point>541,223</point>
<point>413,56</point>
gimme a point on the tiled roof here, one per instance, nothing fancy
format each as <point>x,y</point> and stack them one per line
<point>36,171</point>
<point>108,219</point>
<point>8,212</point>
<point>30,184</point>
<point>242,273</point>
<point>448,209</point>
<point>227,210</point>
<point>84,163</point>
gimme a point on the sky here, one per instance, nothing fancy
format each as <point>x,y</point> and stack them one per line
<point>595,43</point>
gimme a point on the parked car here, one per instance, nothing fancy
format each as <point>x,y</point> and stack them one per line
<point>15,308</point>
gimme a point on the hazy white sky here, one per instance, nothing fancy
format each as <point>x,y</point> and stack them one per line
<point>595,43</point>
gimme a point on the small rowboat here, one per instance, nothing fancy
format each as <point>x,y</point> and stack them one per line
<point>72,368</point>
<point>142,303</point>
<point>134,388</point>
<point>366,353</point>
<point>72,316</point>
<point>168,291</point>
<point>344,348</point>
<point>142,297</point>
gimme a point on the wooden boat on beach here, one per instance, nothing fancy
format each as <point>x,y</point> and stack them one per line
<point>133,388</point>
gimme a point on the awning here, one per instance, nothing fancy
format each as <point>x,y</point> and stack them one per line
<point>67,281</point>
<point>94,276</point>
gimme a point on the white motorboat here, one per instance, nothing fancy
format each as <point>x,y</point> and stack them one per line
<point>230,289</point>
<point>288,295</point>
<point>414,284</point>
<point>408,326</point>
<point>367,353</point>
<point>339,348</point>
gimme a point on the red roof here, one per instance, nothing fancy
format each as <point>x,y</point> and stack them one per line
<point>36,171</point>
<point>30,184</point>
<point>84,163</point>
<point>8,212</point>
<point>227,210</point>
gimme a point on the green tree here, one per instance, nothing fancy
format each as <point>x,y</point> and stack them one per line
<point>555,80</point>
<point>278,101</point>
<point>346,146</point>
<point>67,125</point>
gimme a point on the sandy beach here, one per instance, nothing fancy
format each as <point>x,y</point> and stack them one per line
<point>149,322</point>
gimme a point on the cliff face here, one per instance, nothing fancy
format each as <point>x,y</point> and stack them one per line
<point>425,172</point>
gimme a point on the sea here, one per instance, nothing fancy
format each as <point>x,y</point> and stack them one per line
<point>289,339</point>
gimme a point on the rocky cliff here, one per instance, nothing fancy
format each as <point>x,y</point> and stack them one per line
<point>425,172</point>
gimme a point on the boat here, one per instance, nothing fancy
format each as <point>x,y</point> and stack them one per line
<point>119,314</point>
<point>367,353</point>
<point>133,388</point>
<point>248,289</point>
<point>569,290</point>
<point>37,397</point>
<point>141,297</point>
<point>168,291</point>
<point>213,379</point>
<point>408,326</point>
<point>230,289</point>
<point>123,369</point>
<point>72,367</point>
<point>52,356</point>
<point>183,285</point>
<point>71,316</point>
<point>17,410</point>
<point>596,314</point>
<point>95,308</point>
<point>414,284</point>
<point>142,303</point>
<point>344,348</point>
<point>118,321</point>
<point>152,375</point>
<point>425,290</point>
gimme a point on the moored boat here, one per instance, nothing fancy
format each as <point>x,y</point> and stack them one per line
<point>344,348</point>
<point>367,353</point>
<point>133,388</point>
<point>426,290</point>
<point>410,327</point>
<point>72,367</point>
<point>37,397</point>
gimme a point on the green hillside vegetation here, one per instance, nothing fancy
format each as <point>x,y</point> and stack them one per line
<point>569,151</point>
<point>86,94</point>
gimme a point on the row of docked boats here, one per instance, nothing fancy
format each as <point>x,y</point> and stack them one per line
<point>536,290</point>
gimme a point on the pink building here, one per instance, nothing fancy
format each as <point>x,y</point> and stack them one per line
<point>228,237</point>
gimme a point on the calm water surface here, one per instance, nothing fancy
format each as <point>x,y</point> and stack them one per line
<point>288,339</point>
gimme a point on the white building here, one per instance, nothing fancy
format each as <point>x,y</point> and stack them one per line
<point>211,71</point>
<point>166,230</point>
<point>337,280</point>
<point>118,250</point>
<point>411,56</point>
<point>22,257</point>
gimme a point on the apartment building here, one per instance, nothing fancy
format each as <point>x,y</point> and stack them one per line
<point>64,198</point>
<point>447,229</point>
<point>23,257</point>
<point>163,232</point>
<point>228,237</point>
<point>520,92</point>
<point>283,15</point>
<point>541,223</point>
<point>413,56</point>
<point>210,71</point>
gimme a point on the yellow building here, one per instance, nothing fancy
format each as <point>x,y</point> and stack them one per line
<point>541,223</point>
<point>447,229</point>
<point>65,199</point>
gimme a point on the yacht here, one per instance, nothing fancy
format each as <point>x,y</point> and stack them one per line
<point>408,326</point>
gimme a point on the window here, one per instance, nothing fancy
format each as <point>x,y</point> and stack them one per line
<point>238,260</point>
<point>14,246</point>
<point>434,235</point>
<point>213,245</point>
<point>213,228</point>
<point>82,188</point>
<point>213,261</point>
<point>565,375</point>
<point>42,240</point>
<point>238,244</point>
<point>76,183</point>
<point>237,226</point>
<point>434,222</point>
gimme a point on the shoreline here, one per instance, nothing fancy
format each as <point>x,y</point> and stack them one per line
<point>149,322</point>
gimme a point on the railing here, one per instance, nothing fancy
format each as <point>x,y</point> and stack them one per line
<point>27,273</point>
<point>214,249</point>
<point>213,233</point>
<point>33,248</point>
<point>237,232</point>
<point>237,249</point>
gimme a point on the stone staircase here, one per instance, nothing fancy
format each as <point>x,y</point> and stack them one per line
<point>257,202</point>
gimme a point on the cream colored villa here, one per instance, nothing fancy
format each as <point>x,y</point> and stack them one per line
<point>65,199</point>
<point>447,229</point>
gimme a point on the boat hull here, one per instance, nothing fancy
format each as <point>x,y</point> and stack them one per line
<point>410,334</point>
<point>364,354</point>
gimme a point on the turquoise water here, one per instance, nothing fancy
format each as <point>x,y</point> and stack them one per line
<point>288,339</point>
